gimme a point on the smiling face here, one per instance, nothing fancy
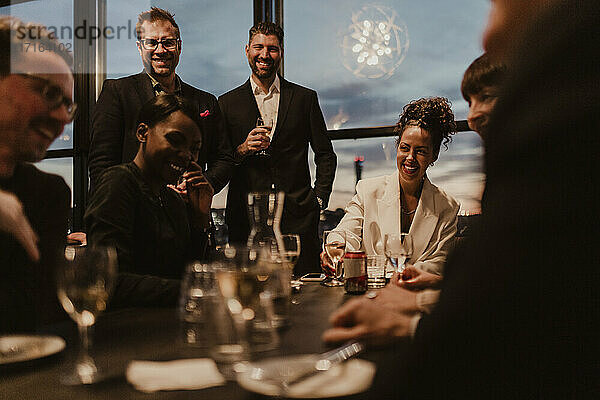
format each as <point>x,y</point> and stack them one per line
<point>481,106</point>
<point>414,154</point>
<point>169,147</point>
<point>27,123</point>
<point>159,62</point>
<point>264,56</point>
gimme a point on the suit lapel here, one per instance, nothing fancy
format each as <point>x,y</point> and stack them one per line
<point>425,221</point>
<point>387,207</point>
<point>285,98</point>
<point>250,100</point>
<point>143,86</point>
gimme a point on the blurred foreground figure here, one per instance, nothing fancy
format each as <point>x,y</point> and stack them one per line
<point>518,306</point>
<point>35,105</point>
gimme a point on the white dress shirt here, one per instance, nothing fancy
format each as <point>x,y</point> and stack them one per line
<point>268,103</point>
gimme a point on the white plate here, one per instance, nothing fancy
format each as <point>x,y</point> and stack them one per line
<point>18,348</point>
<point>351,377</point>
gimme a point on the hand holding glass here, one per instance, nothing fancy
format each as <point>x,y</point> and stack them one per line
<point>267,124</point>
<point>334,244</point>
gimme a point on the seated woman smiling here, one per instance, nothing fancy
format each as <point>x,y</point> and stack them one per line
<point>155,229</point>
<point>406,201</point>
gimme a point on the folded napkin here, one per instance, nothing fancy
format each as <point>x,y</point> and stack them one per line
<point>187,374</point>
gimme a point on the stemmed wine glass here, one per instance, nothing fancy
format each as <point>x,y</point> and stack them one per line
<point>267,124</point>
<point>334,243</point>
<point>397,249</point>
<point>84,284</point>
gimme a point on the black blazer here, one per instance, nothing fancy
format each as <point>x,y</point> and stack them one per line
<point>114,119</point>
<point>299,123</point>
<point>27,289</point>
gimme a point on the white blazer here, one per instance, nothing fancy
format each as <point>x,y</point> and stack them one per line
<point>373,212</point>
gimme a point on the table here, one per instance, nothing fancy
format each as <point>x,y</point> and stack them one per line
<point>152,334</point>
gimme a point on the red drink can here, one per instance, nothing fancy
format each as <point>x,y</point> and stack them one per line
<point>355,272</point>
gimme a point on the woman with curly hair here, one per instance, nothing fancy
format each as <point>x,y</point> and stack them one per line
<point>406,201</point>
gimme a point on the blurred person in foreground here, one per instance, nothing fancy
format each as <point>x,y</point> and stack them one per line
<point>35,105</point>
<point>517,311</point>
<point>406,201</point>
<point>153,229</point>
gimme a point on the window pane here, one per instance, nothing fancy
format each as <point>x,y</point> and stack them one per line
<point>59,166</point>
<point>57,16</point>
<point>339,48</point>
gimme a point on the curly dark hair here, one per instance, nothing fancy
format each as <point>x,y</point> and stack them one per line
<point>432,114</point>
<point>266,28</point>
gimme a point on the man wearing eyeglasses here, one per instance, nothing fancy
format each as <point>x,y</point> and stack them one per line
<point>113,139</point>
<point>35,105</point>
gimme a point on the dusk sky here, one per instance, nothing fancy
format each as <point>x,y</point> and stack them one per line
<point>441,38</point>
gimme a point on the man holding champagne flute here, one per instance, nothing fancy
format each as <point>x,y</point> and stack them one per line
<point>270,123</point>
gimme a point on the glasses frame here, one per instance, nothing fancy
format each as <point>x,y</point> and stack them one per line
<point>142,42</point>
<point>53,102</point>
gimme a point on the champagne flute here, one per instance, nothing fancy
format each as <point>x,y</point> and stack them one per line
<point>334,243</point>
<point>267,123</point>
<point>84,284</point>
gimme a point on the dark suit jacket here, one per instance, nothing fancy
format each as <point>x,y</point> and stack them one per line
<point>27,289</point>
<point>299,123</point>
<point>519,310</point>
<point>114,121</point>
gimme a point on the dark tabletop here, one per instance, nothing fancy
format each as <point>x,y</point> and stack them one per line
<point>153,334</point>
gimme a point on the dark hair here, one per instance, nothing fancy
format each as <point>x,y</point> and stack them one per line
<point>14,33</point>
<point>155,14</point>
<point>266,28</point>
<point>159,108</point>
<point>432,114</point>
<point>481,73</point>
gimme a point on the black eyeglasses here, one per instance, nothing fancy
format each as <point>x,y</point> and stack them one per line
<point>53,94</point>
<point>152,44</point>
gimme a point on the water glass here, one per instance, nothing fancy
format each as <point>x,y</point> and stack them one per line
<point>376,271</point>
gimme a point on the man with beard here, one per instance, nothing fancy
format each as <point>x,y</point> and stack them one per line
<point>113,139</point>
<point>277,158</point>
<point>35,105</point>
<point>515,318</point>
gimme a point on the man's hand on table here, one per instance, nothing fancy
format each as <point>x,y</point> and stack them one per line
<point>377,320</point>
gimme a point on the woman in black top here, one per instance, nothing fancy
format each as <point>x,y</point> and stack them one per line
<point>154,228</point>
